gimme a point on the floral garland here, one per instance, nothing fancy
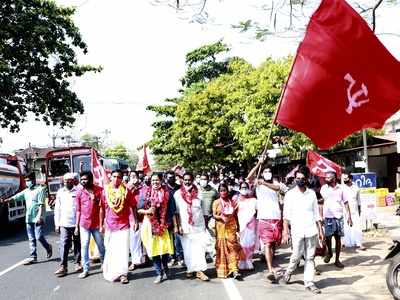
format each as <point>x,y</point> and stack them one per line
<point>188,197</point>
<point>116,198</point>
<point>158,199</point>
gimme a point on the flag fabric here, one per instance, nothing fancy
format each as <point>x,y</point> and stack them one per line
<point>100,177</point>
<point>342,80</point>
<point>291,173</point>
<point>143,164</point>
<point>320,165</point>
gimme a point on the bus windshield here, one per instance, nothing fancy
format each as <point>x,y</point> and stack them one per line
<point>81,163</point>
<point>58,166</point>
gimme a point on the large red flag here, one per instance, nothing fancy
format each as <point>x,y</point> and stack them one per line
<point>99,174</point>
<point>143,164</point>
<point>343,79</point>
<point>320,165</point>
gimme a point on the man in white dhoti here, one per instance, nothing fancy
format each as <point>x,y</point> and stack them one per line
<point>353,234</point>
<point>118,205</point>
<point>189,222</point>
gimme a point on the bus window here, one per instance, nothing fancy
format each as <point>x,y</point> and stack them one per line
<point>58,166</point>
<point>81,163</point>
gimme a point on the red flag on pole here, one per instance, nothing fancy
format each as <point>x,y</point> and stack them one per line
<point>99,174</point>
<point>343,79</point>
<point>143,164</point>
<point>320,165</point>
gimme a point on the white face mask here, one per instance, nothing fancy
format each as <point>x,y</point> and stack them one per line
<point>267,175</point>
<point>203,183</point>
<point>244,192</point>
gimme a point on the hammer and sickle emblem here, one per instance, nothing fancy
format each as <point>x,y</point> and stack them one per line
<point>353,98</point>
<point>323,167</point>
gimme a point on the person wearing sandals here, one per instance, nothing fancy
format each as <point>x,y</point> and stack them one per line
<point>154,233</point>
<point>226,228</point>
<point>334,201</point>
<point>302,213</point>
<point>117,205</point>
<point>190,224</point>
<point>88,202</point>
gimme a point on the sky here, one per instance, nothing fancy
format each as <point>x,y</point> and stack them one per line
<point>142,50</point>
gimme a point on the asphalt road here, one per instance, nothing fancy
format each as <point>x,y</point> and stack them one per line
<point>38,282</point>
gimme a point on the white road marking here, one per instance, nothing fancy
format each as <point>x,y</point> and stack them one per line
<point>231,289</point>
<point>12,267</point>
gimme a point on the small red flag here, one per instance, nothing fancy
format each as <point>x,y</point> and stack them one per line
<point>320,165</point>
<point>144,164</point>
<point>99,174</point>
<point>343,79</point>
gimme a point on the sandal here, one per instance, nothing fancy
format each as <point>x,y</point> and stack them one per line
<point>313,289</point>
<point>327,258</point>
<point>123,279</point>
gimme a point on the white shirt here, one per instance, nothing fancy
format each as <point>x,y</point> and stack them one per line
<point>267,203</point>
<point>65,208</point>
<point>301,210</point>
<point>334,200</point>
<point>352,194</point>
<point>197,214</point>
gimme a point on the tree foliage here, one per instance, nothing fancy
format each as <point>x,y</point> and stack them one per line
<point>38,54</point>
<point>223,120</point>
<point>121,152</point>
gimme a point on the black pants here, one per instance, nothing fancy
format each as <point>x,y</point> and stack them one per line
<point>66,238</point>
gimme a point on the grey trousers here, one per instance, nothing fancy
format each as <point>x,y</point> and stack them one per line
<point>304,246</point>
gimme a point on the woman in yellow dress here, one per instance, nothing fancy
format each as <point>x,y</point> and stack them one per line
<point>154,233</point>
<point>226,227</point>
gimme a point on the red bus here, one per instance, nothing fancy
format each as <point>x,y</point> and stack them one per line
<point>75,160</point>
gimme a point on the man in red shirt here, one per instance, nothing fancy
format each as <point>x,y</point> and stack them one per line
<point>88,202</point>
<point>118,204</point>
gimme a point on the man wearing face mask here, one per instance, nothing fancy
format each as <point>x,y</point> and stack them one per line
<point>269,217</point>
<point>207,196</point>
<point>34,197</point>
<point>135,242</point>
<point>302,213</point>
<point>334,201</point>
<point>172,187</point>
<point>65,224</point>
<point>189,222</point>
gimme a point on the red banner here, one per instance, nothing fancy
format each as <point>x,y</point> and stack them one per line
<point>100,177</point>
<point>343,79</point>
<point>143,164</point>
<point>320,165</point>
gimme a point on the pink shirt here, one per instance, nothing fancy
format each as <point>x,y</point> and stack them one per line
<point>89,209</point>
<point>120,221</point>
<point>334,200</point>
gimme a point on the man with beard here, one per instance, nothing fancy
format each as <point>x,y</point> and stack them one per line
<point>117,206</point>
<point>334,201</point>
<point>172,188</point>
<point>189,222</point>
<point>65,224</point>
<point>88,202</point>
<point>302,213</point>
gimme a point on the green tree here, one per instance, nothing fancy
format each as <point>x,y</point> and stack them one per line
<point>38,54</point>
<point>91,140</point>
<point>121,152</point>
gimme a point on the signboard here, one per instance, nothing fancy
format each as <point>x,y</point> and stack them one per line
<point>365,180</point>
<point>368,204</point>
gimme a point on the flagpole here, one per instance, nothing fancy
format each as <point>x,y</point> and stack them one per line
<point>276,115</point>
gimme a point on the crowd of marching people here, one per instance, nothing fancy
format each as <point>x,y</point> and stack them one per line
<point>190,220</point>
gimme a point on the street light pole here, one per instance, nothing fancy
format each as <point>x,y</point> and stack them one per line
<point>364,134</point>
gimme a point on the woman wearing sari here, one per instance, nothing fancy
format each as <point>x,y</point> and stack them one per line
<point>226,227</point>
<point>247,224</point>
<point>154,234</point>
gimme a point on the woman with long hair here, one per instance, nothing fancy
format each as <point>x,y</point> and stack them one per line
<point>246,203</point>
<point>155,235</point>
<point>226,227</point>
